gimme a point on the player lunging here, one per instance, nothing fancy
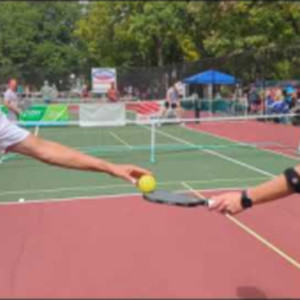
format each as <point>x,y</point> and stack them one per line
<point>19,140</point>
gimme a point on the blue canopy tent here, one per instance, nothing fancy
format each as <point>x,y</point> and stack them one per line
<point>211,77</point>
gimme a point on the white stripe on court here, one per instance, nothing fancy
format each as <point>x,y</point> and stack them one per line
<point>36,130</point>
<point>254,234</point>
<point>96,187</point>
<point>236,141</point>
<point>233,160</point>
<point>7,156</point>
<point>86,198</point>
<point>120,139</point>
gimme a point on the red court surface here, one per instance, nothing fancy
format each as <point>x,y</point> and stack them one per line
<point>127,247</point>
<point>285,138</point>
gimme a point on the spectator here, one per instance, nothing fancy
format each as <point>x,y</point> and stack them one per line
<point>11,101</point>
<point>243,100</point>
<point>298,96</point>
<point>20,89</point>
<point>112,93</point>
<point>254,100</point>
<point>27,91</point>
<point>280,107</point>
<point>46,92</point>
<point>54,92</point>
<point>269,102</point>
<point>296,109</point>
<point>85,92</point>
<point>278,95</point>
<point>287,96</point>
<point>130,91</point>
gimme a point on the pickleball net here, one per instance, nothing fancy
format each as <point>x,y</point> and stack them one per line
<point>122,130</point>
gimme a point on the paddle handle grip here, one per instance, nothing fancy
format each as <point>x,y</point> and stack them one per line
<point>210,202</point>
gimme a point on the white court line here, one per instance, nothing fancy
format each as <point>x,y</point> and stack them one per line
<point>236,141</point>
<point>86,198</point>
<point>120,140</point>
<point>2,159</point>
<point>36,130</point>
<point>7,156</point>
<point>254,234</point>
<point>233,160</point>
<point>96,187</point>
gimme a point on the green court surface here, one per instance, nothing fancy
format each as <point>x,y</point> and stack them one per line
<point>178,162</point>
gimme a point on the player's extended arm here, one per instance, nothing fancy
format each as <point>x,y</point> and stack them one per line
<point>59,155</point>
<point>268,191</point>
<point>11,106</point>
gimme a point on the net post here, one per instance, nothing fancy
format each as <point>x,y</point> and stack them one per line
<point>152,146</point>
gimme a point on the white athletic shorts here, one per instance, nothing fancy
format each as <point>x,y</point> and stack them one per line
<point>10,134</point>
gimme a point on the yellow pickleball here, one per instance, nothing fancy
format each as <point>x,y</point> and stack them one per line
<point>147,184</point>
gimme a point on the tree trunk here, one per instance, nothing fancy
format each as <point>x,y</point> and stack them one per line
<point>159,51</point>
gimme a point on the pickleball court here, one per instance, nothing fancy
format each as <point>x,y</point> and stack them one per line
<point>88,235</point>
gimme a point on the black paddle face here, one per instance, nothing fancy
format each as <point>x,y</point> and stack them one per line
<point>169,198</point>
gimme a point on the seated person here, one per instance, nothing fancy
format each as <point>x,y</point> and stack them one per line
<point>254,101</point>
<point>269,102</point>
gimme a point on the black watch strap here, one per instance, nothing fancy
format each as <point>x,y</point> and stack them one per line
<point>246,202</point>
<point>293,179</point>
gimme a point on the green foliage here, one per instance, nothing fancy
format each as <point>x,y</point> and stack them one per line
<point>254,25</point>
<point>131,33</point>
<point>40,40</point>
<point>36,40</point>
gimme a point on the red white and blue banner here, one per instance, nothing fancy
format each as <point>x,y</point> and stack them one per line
<point>102,78</point>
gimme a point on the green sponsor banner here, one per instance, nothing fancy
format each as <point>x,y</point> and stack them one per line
<point>51,112</point>
<point>42,112</point>
<point>33,113</point>
<point>58,112</point>
<point>4,109</point>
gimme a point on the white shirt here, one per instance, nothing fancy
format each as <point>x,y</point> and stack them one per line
<point>180,87</point>
<point>172,95</point>
<point>11,97</point>
<point>10,134</point>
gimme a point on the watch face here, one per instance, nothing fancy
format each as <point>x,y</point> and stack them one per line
<point>246,201</point>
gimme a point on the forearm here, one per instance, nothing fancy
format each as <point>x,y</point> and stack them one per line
<point>279,187</point>
<point>59,155</point>
<point>270,190</point>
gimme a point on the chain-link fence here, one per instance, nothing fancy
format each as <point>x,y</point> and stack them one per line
<point>264,68</point>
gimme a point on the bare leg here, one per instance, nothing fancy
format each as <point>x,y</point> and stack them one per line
<point>163,113</point>
<point>179,112</point>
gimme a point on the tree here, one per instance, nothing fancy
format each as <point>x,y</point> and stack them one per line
<point>36,40</point>
<point>137,33</point>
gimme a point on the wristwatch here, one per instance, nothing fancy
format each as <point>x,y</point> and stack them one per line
<point>246,202</point>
